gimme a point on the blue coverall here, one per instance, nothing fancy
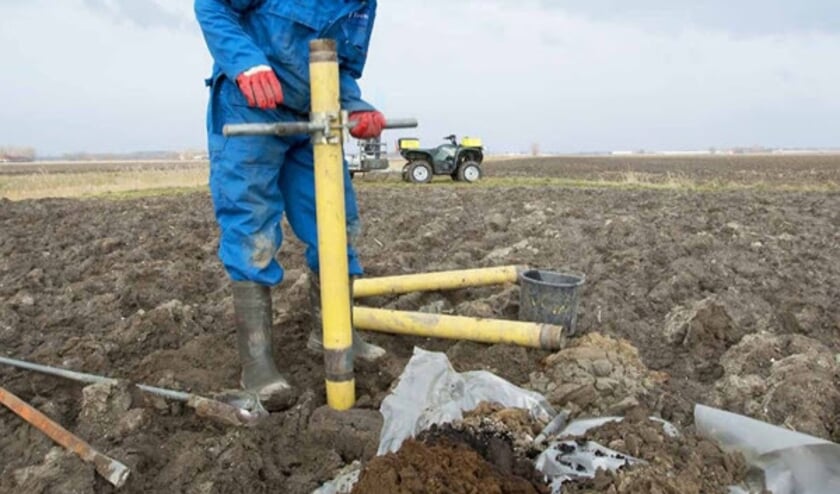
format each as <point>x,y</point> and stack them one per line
<point>255,179</point>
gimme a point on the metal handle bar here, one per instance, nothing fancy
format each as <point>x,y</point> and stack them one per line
<point>295,128</point>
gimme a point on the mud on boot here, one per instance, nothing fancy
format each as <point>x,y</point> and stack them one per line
<point>361,349</point>
<point>253,312</point>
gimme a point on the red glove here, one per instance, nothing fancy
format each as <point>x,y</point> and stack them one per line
<point>261,87</point>
<point>369,124</point>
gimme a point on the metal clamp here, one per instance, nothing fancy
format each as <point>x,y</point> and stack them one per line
<point>324,124</point>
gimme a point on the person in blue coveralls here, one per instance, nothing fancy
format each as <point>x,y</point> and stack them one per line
<point>260,74</point>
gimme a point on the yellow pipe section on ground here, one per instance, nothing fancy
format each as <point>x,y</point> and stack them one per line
<point>527,334</point>
<point>444,280</point>
<point>332,229</point>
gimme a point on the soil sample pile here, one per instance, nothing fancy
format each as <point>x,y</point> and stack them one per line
<point>597,375</point>
<point>686,464</point>
<point>487,452</point>
<point>441,467</point>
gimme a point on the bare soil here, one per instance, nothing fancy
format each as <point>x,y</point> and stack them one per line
<point>789,170</point>
<point>726,298</point>
<point>685,464</point>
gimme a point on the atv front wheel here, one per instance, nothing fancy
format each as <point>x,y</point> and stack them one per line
<point>420,172</point>
<point>469,172</point>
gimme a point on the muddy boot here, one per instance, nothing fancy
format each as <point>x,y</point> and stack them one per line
<point>361,349</point>
<point>252,307</point>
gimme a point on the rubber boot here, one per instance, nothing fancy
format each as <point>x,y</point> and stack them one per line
<point>253,312</point>
<point>361,349</point>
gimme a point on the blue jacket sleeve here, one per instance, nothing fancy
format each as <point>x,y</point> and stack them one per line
<point>232,49</point>
<point>359,31</point>
<point>351,95</point>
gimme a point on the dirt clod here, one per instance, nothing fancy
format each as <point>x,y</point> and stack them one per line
<point>60,472</point>
<point>595,375</point>
<point>352,433</point>
<point>788,379</point>
<point>704,330</point>
<point>498,222</point>
<point>106,410</point>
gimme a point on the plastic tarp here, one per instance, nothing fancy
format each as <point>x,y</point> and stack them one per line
<point>568,460</point>
<point>791,462</point>
<point>580,427</point>
<point>343,482</point>
<point>431,392</point>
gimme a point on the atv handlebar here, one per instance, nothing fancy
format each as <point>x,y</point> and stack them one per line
<point>295,128</point>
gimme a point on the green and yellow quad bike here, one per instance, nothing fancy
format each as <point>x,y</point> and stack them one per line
<point>461,161</point>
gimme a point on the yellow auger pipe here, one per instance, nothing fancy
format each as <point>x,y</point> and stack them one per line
<point>443,280</point>
<point>527,334</point>
<point>332,227</point>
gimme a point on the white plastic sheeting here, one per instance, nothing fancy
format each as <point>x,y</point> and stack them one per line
<point>792,463</point>
<point>431,392</point>
<point>569,460</point>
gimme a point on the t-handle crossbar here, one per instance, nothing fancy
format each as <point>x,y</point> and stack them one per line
<point>296,128</point>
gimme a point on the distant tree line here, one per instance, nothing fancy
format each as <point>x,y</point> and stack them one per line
<point>16,154</point>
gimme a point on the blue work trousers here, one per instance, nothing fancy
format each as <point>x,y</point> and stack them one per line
<point>254,180</point>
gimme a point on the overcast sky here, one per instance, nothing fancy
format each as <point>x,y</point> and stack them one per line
<point>576,75</point>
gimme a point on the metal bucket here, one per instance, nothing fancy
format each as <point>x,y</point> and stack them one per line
<point>549,297</point>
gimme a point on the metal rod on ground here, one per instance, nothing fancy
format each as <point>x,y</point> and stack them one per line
<point>556,425</point>
<point>206,407</point>
<point>444,280</point>
<point>113,471</point>
<point>92,378</point>
<point>527,334</point>
<point>332,228</point>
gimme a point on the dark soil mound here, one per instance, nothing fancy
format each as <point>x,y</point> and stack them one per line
<point>452,460</point>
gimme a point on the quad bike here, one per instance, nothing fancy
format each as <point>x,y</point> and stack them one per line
<point>461,161</point>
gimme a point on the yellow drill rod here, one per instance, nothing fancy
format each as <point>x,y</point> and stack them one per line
<point>527,334</point>
<point>443,280</point>
<point>332,228</point>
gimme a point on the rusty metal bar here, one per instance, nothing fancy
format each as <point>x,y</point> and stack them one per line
<point>113,471</point>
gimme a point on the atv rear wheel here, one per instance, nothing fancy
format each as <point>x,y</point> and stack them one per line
<point>419,172</point>
<point>405,177</point>
<point>469,171</point>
